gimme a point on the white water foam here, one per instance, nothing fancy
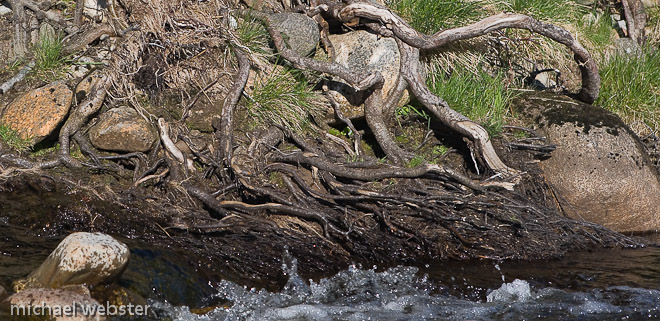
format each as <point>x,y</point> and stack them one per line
<point>400,294</point>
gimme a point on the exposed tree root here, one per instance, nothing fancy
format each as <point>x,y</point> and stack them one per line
<point>272,182</point>
<point>9,84</point>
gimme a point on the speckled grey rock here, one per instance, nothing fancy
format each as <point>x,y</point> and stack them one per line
<point>600,171</point>
<point>364,52</point>
<point>300,31</point>
<point>81,258</point>
<point>122,129</point>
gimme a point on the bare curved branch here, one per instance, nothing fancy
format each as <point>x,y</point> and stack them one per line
<point>590,78</point>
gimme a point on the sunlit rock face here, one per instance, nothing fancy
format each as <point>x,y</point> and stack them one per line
<point>600,171</point>
<point>81,258</point>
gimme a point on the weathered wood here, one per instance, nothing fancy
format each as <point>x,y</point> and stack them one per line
<point>635,16</point>
<point>453,119</point>
<point>7,85</point>
<point>402,30</point>
<point>226,130</point>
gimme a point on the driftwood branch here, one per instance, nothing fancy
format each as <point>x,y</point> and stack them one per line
<point>635,16</point>
<point>7,85</point>
<point>225,132</point>
<point>404,32</point>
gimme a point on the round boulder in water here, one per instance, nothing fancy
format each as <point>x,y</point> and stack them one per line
<point>81,258</point>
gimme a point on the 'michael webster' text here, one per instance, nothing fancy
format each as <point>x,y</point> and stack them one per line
<point>79,309</point>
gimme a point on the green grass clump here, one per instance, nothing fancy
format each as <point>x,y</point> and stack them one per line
<point>653,26</point>
<point>48,53</point>
<point>546,10</point>
<point>630,87</point>
<point>284,98</point>
<point>597,28</point>
<point>430,16</point>
<point>14,141</point>
<point>252,34</point>
<point>481,97</point>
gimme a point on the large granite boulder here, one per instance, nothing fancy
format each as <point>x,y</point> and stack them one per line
<point>300,32</point>
<point>364,53</point>
<point>81,258</point>
<point>122,129</point>
<point>36,114</point>
<point>600,171</point>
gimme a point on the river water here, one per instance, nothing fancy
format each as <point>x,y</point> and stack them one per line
<point>604,285</point>
<point>614,284</point>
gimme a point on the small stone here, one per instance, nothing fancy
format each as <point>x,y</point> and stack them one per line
<point>4,11</point>
<point>81,258</point>
<point>626,46</point>
<point>123,130</point>
<point>300,32</point>
<point>94,9</point>
<point>364,53</point>
<point>623,26</point>
<point>63,305</point>
<point>36,114</point>
<point>545,80</point>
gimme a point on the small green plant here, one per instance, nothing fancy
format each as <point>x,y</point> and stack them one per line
<point>439,150</point>
<point>410,110</point>
<point>630,87</point>
<point>283,98</point>
<point>653,26</point>
<point>13,140</point>
<point>521,134</point>
<point>48,53</point>
<point>597,28</point>
<point>417,160</point>
<point>253,35</point>
<point>482,98</point>
<point>430,16</point>
<point>45,151</point>
<point>566,11</point>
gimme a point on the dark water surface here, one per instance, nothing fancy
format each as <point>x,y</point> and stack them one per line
<point>615,284</point>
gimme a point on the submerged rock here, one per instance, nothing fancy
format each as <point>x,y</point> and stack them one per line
<point>300,32</point>
<point>36,114</point>
<point>600,171</point>
<point>123,130</point>
<point>364,52</point>
<point>81,258</point>
<point>60,305</point>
